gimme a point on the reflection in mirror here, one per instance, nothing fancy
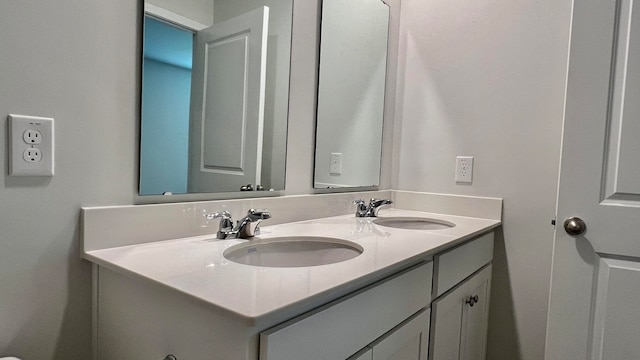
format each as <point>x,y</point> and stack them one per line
<point>353,58</point>
<point>215,92</point>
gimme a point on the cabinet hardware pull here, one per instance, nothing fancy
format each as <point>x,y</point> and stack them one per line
<point>472,300</point>
<point>170,357</point>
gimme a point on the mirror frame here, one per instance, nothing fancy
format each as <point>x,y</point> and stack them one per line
<point>390,64</point>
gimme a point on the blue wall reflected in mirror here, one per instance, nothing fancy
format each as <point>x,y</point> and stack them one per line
<point>164,152</point>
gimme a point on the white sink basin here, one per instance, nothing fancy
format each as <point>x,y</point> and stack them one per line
<point>413,223</point>
<point>294,251</point>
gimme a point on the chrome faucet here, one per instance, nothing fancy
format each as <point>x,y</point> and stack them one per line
<point>245,228</point>
<point>226,223</point>
<point>371,210</point>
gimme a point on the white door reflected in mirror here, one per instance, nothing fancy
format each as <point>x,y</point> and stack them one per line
<point>226,131</point>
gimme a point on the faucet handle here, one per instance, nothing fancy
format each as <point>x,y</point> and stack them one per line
<point>259,214</point>
<point>225,215</point>
<point>375,204</point>
<point>360,204</point>
<point>361,207</point>
<point>247,227</point>
<point>226,223</point>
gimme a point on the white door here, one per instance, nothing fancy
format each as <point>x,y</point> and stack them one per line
<point>227,103</point>
<point>595,288</point>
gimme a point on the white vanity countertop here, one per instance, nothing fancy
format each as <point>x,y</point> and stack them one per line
<point>196,265</point>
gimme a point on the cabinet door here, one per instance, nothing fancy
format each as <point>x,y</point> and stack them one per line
<point>459,330</point>
<point>473,338</point>
<point>447,325</point>
<point>408,341</point>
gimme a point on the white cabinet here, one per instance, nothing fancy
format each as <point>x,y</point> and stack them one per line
<point>454,265</point>
<point>358,327</point>
<point>391,319</point>
<point>407,341</point>
<point>342,328</point>
<point>459,321</point>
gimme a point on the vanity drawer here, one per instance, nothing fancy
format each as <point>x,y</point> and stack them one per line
<point>455,265</point>
<point>343,327</point>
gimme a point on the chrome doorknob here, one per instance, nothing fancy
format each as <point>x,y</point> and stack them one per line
<point>575,226</point>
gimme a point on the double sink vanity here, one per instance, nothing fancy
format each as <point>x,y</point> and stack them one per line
<point>406,284</point>
<point>325,279</point>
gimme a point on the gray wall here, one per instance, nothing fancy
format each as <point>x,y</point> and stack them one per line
<point>77,61</point>
<point>73,61</point>
<point>486,78</point>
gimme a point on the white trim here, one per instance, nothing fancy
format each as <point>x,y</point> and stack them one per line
<point>323,185</point>
<point>94,311</point>
<point>172,17</point>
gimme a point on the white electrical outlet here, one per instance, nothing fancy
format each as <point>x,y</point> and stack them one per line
<point>335,167</point>
<point>32,136</point>
<point>32,155</point>
<point>31,144</point>
<point>464,169</point>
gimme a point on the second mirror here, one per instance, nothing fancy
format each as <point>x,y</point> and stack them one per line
<point>351,89</point>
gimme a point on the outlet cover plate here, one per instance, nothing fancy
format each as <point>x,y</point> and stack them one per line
<point>19,163</point>
<point>464,169</point>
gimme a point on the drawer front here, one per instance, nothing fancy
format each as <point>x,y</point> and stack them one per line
<point>338,330</point>
<point>455,265</point>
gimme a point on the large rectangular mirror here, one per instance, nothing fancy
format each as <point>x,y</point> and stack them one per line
<point>353,60</point>
<point>215,92</point>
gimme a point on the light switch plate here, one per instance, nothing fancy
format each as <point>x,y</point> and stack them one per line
<point>31,146</point>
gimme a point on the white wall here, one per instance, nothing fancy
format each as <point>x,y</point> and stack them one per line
<point>353,59</point>
<point>486,78</point>
<point>197,10</point>
<point>77,61</point>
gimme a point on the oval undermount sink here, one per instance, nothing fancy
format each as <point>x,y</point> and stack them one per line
<point>413,223</point>
<point>294,251</point>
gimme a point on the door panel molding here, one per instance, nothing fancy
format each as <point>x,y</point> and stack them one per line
<point>616,320</point>
<point>228,100</point>
<point>622,173</point>
<point>225,106</point>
